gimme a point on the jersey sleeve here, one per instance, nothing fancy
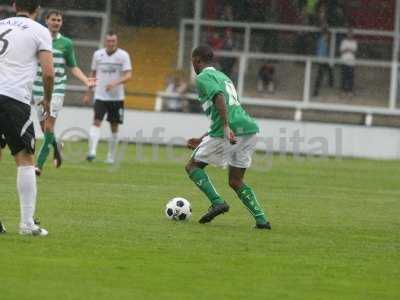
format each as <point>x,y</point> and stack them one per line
<point>207,88</point>
<point>70,57</point>
<point>127,65</point>
<point>94,62</point>
<point>44,40</point>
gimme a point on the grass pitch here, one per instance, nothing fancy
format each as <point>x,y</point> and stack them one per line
<point>336,232</point>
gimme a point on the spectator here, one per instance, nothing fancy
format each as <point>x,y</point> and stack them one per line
<point>227,14</point>
<point>215,40</point>
<point>227,63</point>
<point>266,78</point>
<point>348,50</point>
<point>304,38</point>
<point>176,85</point>
<point>322,14</point>
<point>323,67</point>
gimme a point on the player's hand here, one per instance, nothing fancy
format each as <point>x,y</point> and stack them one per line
<point>92,82</point>
<point>46,110</point>
<point>86,99</point>
<point>229,135</point>
<point>193,143</point>
<point>111,86</point>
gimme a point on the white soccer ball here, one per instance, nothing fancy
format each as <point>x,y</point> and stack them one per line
<point>178,209</point>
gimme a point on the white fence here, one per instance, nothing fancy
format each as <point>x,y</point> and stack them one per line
<point>243,57</point>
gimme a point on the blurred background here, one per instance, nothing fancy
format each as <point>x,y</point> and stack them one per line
<point>304,60</point>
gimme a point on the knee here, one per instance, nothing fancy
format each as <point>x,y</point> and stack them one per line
<point>235,183</point>
<point>189,168</point>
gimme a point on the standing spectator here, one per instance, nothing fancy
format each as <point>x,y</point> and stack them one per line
<point>323,67</point>
<point>227,14</point>
<point>265,78</point>
<point>348,50</point>
<point>227,63</point>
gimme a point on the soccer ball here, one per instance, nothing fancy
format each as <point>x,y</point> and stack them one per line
<point>178,209</point>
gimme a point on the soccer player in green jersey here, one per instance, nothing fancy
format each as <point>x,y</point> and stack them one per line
<point>231,140</point>
<point>64,57</point>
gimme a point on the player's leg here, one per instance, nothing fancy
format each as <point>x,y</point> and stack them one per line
<point>112,143</point>
<point>94,134</point>
<point>115,116</point>
<point>247,195</point>
<point>209,151</point>
<point>2,146</point>
<point>239,161</point>
<point>49,137</point>
<point>20,136</point>
<point>48,142</point>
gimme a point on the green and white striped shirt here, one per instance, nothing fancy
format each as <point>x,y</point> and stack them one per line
<point>64,56</point>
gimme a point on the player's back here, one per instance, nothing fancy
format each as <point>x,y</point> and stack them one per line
<point>21,39</point>
<point>211,82</point>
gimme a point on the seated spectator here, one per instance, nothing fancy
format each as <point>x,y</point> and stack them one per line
<point>348,50</point>
<point>176,85</point>
<point>324,67</point>
<point>266,78</point>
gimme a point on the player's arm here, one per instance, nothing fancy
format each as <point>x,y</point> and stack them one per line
<point>219,102</point>
<point>89,92</point>
<point>126,76</point>
<point>193,143</point>
<point>47,64</point>
<point>78,74</point>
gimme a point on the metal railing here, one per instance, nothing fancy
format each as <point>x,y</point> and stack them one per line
<point>245,55</point>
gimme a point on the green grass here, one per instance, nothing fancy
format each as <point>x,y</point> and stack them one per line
<point>336,233</point>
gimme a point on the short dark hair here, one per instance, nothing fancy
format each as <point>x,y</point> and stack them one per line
<point>111,33</point>
<point>29,6</point>
<point>54,12</point>
<point>205,53</point>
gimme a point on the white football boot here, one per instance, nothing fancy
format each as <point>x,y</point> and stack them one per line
<point>33,230</point>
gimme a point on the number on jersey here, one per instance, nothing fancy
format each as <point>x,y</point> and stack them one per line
<point>3,42</point>
<point>233,97</point>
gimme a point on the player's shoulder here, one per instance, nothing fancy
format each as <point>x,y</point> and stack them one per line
<point>36,26</point>
<point>123,52</point>
<point>99,52</point>
<point>207,74</point>
<point>66,40</point>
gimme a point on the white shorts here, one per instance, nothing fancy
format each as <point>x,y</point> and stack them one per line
<point>56,105</point>
<point>218,151</point>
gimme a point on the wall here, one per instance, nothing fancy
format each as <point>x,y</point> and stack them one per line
<point>277,136</point>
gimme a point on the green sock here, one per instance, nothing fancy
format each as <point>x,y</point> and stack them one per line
<point>249,199</point>
<point>45,150</point>
<point>201,179</point>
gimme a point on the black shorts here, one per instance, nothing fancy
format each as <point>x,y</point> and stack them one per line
<point>113,109</point>
<point>16,126</point>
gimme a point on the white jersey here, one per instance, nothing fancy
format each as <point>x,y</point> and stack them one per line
<point>348,48</point>
<point>110,68</point>
<point>21,39</point>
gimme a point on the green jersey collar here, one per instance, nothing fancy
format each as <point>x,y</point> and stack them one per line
<point>208,68</point>
<point>57,36</point>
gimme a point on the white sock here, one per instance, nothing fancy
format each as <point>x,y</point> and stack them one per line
<point>27,190</point>
<point>112,146</point>
<point>94,137</point>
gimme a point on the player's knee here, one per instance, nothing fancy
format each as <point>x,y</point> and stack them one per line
<point>235,183</point>
<point>189,168</point>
